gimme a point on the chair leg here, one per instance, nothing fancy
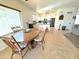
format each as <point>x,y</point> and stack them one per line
<point>42,46</point>
<point>43,43</point>
<point>12,55</point>
<point>29,46</point>
<point>21,55</point>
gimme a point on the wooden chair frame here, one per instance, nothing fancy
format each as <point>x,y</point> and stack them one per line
<point>14,46</point>
<point>43,37</point>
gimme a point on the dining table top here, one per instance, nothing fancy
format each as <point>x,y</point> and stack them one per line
<point>29,36</point>
<point>25,36</point>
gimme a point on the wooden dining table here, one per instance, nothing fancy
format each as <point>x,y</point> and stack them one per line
<point>29,36</point>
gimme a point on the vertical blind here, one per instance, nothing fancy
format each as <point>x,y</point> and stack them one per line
<point>8,19</point>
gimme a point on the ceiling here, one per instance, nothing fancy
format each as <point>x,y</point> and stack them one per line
<point>42,5</point>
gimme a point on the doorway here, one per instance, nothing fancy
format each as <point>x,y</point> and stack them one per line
<point>52,22</point>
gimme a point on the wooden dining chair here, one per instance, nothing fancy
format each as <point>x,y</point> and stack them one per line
<point>16,48</point>
<point>41,39</point>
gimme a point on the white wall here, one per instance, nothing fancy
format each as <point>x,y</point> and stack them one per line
<point>68,18</point>
<point>25,14</point>
<point>75,29</point>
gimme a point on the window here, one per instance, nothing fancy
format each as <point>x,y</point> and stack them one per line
<point>8,19</point>
<point>77,18</point>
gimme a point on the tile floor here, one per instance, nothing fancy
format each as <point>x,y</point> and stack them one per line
<point>57,46</point>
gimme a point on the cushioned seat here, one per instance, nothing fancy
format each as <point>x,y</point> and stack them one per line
<point>22,44</point>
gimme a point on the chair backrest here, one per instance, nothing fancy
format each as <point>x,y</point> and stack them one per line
<point>15,28</point>
<point>11,43</point>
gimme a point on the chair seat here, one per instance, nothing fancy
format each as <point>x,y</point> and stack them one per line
<point>27,30</point>
<point>23,44</point>
<point>38,39</point>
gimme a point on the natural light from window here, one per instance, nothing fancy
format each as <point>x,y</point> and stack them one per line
<point>77,20</point>
<point>8,19</point>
